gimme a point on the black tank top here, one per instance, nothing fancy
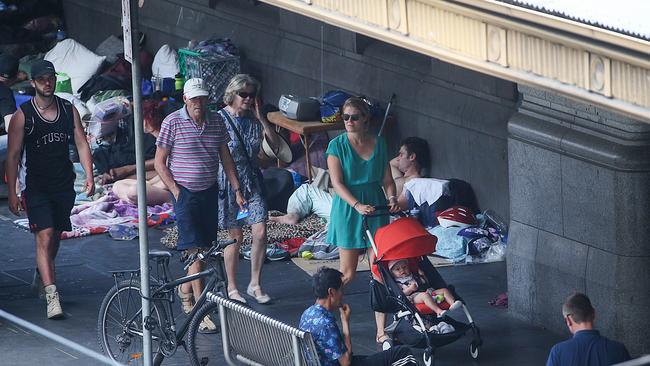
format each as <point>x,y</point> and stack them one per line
<point>48,164</point>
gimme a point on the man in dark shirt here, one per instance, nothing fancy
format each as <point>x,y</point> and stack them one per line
<point>8,72</point>
<point>44,127</point>
<point>587,347</point>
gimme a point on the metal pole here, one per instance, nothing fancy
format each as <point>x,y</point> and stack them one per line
<point>383,122</point>
<point>141,178</point>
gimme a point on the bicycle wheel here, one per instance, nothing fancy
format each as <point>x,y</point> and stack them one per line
<point>203,346</point>
<point>119,326</point>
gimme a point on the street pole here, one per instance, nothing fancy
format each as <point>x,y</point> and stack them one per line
<point>131,53</point>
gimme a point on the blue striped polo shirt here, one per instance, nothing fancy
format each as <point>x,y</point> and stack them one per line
<point>193,150</point>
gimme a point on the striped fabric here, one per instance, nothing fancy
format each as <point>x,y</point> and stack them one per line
<point>193,151</point>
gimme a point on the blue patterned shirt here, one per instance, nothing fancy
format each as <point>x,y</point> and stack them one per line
<point>323,328</point>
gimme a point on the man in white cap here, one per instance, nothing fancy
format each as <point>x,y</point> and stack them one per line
<point>191,142</point>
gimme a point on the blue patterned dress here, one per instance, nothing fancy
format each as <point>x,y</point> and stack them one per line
<point>251,132</point>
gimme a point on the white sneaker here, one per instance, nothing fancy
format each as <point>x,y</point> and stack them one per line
<point>54,310</point>
<point>207,326</point>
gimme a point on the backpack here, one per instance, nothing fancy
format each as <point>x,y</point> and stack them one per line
<point>331,103</point>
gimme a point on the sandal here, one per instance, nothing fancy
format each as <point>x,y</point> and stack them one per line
<point>261,299</point>
<point>384,342</point>
<point>187,300</point>
<point>235,295</point>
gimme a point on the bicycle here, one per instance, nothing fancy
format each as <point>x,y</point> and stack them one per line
<point>119,326</point>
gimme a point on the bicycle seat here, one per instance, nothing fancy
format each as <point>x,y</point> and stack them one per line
<point>159,254</point>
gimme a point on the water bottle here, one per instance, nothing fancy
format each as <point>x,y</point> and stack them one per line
<point>60,34</point>
<point>156,81</point>
<point>179,82</point>
<point>414,212</point>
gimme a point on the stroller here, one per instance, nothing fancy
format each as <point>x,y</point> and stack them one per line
<point>413,324</point>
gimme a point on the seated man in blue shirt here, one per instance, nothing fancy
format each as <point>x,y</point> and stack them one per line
<point>587,347</point>
<point>334,350</point>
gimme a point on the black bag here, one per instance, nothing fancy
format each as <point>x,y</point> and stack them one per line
<point>380,300</point>
<point>256,171</point>
<point>279,185</point>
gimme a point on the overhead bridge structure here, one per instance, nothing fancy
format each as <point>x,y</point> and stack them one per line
<point>546,116</point>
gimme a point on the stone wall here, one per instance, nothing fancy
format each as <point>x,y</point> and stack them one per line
<point>461,113</point>
<point>579,209</point>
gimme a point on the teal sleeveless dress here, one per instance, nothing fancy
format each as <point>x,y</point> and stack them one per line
<point>364,179</point>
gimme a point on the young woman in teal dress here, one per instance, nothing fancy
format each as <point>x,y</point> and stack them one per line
<point>358,167</point>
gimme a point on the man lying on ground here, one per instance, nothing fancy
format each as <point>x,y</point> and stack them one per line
<point>406,168</point>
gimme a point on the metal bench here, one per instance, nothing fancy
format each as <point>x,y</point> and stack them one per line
<point>253,338</point>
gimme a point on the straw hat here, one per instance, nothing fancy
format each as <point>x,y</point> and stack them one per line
<point>284,153</point>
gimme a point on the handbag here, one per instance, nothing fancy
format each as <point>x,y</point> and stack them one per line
<point>256,171</point>
<point>380,299</point>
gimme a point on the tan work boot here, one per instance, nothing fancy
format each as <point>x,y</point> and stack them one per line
<point>207,326</point>
<point>54,310</point>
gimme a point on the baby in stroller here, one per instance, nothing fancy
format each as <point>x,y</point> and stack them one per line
<point>416,289</point>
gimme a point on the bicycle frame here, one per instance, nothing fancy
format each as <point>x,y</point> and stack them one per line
<point>163,296</point>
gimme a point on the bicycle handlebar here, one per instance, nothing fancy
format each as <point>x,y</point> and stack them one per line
<point>217,247</point>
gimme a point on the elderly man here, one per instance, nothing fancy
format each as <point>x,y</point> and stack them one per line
<point>190,143</point>
<point>45,126</point>
<point>587,347</point>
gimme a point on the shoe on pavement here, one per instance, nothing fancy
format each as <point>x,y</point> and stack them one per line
<point>207,326</point>
<point>54,310</point>
<point>275,253</point>
<point>261,299</point>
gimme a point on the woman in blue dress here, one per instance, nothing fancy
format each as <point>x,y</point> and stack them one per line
<point>246,127</point>
<point>358,167</point>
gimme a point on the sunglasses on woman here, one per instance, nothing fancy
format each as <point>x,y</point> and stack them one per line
<point>245,95</point>
<point>353,117</point>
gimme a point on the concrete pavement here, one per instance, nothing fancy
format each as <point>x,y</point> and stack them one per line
<point>83,279</point>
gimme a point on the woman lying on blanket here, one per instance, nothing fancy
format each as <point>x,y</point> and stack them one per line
<point>126,189</point>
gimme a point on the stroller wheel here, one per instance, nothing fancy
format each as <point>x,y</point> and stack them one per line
<point>474,350</point>
<point>427,357</point>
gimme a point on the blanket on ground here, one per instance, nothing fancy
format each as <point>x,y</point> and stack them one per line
<point>98,216</point>
<point>276,232</point>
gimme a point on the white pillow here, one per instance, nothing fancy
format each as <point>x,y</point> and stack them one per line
<point>165,63</point>
<point>72,58</point>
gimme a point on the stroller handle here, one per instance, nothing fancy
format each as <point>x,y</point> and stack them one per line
<point>383,211</point>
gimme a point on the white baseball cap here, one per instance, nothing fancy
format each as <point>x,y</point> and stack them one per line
<point>195,88</point>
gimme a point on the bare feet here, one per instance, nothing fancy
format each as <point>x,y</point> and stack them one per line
<point>289,219</point>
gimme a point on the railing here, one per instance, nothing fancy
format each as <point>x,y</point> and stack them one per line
<point>255,338</point>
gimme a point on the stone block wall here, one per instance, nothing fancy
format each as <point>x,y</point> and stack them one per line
<point>463,114</point>
<point>579,210</point>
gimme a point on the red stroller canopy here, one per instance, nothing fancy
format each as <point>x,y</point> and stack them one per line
<point>404,238</point>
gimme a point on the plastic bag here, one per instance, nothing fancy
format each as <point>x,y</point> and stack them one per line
<point>106,116</point>
<point>123,232</point>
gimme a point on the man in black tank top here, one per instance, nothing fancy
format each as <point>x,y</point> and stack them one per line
<point>44,127</point>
